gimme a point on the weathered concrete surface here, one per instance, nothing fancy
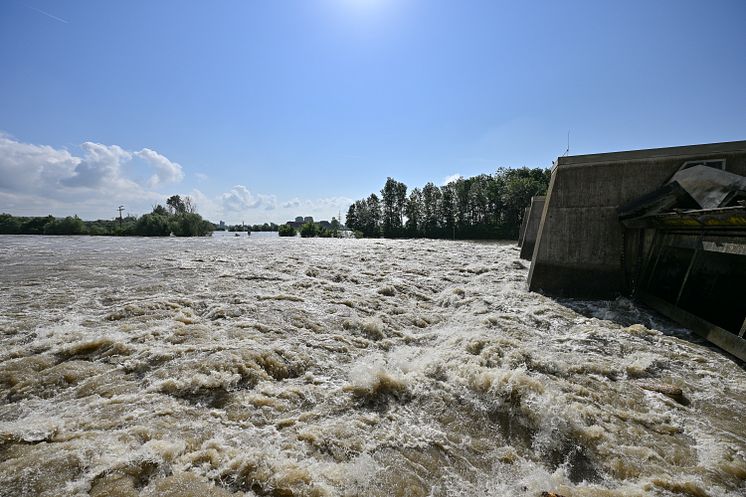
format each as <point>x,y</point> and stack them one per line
<point>579,246</point>
<point>532,227</point>
<point>522,231</point>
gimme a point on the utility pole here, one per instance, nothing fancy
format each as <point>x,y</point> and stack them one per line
<point>120,209</point>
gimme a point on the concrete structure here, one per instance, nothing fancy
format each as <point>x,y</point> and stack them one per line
<point>692,267</point>
<point>522,230</point>
<point>300,221</point>
<point>665,225</point>
<point>580,245</point>
<point>532,227</point>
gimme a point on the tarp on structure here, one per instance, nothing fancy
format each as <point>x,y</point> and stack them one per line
<point>664,199</point>
<point>698,187</point>
<point>710,187</point>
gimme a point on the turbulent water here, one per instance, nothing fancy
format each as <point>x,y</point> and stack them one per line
<point>291,367</point>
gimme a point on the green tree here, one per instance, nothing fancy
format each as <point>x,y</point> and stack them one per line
<point>351,219</point>
<point>286,230</point>
<point>430,199</point>
<point>175,204</point>
<point>10,225</point>
<point>393,200</point>
<point>484,206</point>
<point>520,185</point>
<point>413,212</point>
<point>373,220</point>
<point>309,230</point>
<point>160,210</point>
<point>365,216</point>
<point>153,224</point>
<point>189,224</point>
<point>446,212</point>
<point>71,225</point>
<point>35,225</point>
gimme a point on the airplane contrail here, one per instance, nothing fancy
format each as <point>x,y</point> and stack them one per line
<point>47,14</point>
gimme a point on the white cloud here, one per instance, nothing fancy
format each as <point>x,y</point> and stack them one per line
<point>240,199</point>
<point>329,203</point>
<point>321,208</point>
<point>241,204</point>
<point>39,179</point>
<point>24,166</point>
<point>206,206</point>
<point>451,179</point>
<point>165,170</point>
<point>201,176</point>
<point>101,164</point>
<point>292,203</point>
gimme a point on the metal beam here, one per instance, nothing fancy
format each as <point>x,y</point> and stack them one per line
<point>730,342</point>
<point>692,262</point>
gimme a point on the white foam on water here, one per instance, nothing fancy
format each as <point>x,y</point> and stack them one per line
<point>284,367</point>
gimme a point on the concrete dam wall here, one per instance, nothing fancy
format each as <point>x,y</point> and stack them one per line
<point>532,227</point>
<point>678,250</point>
<point>522,230</point>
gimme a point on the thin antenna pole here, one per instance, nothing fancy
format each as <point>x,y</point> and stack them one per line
<point>567,150</point>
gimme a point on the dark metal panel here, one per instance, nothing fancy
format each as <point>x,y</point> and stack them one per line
<point>727,341</point>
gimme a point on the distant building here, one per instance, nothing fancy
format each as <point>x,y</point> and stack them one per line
<point>221,225</point>
<point>300,221</point>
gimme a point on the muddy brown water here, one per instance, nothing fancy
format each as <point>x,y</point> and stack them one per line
<point>289,367</point>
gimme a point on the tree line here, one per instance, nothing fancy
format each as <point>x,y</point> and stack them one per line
<point>311,229</point>
<point>480,207</point>
<point>179,217</point>
<point>254,227</point>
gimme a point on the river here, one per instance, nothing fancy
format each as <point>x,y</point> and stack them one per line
<point>324,367</point>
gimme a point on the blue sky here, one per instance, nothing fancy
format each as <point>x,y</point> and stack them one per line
<point>264,110</point>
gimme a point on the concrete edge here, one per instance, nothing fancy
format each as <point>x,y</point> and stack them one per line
<point>537,243</point>
<point>654,153</point>
<point>522,230</point>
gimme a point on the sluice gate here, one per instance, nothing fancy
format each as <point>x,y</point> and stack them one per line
<point>666,226</point>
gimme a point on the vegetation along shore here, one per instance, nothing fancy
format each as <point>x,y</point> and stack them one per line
<point>179,218</point>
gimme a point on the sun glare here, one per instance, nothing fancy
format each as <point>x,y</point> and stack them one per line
<point>367,17</point>
<point>364,7</point>
<point>364,4</point>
